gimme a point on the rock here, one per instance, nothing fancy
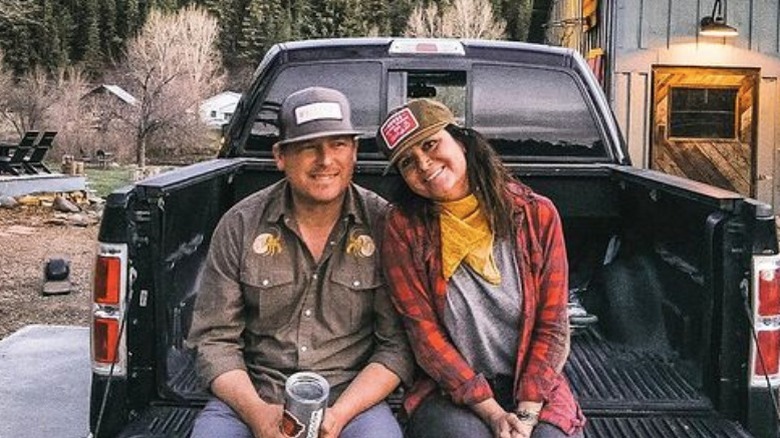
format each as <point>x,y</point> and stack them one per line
<point>56,221</point>
<point>8,202</point>
<point>62,204</point>
<point>29,200</point>
<point>81,220</point>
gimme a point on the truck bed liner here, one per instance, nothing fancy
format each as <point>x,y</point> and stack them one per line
<point>653,427</point>
<point>613,379</point>
<point>625,392</point>
<point>176,422</point>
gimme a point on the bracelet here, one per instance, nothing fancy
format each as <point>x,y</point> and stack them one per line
<point>527,416</point>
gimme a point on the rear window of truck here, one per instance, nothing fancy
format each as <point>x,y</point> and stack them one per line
<point>534,112</point>
<point>360,82</point>
<point>528,113</point>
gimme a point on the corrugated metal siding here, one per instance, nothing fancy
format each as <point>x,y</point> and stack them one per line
<point>639,34</point>
<point>665,32</point>
<point>654,24</point>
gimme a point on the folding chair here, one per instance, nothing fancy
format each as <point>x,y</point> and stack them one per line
<point>14,164</point>
<point>34,162</point>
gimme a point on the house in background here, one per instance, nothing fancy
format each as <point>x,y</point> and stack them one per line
<point>217,110</point>
<point>104,102</point>
<point>115,91</point>
<point>690,104</point>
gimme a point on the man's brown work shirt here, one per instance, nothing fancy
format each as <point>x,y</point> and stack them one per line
<point>266,306</point>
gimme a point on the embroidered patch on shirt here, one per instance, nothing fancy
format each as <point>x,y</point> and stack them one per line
<point>361,246</point>
<point>398,127</point>
<point>318,111</point>
<point>267,244</point>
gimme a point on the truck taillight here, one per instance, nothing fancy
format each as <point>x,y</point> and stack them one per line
<point>107,279</point>
<point>110,287</point>
<point>765,304</point>
<point>105,339</point>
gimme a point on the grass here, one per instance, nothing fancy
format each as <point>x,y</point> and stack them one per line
<point>105,181</point>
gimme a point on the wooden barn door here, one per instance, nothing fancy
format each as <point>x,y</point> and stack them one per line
<point>704,125</point>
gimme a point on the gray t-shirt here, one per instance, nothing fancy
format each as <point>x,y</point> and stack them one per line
<point>483,319</point>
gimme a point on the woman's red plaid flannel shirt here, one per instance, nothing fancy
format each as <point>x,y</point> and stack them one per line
<point>411,254</point>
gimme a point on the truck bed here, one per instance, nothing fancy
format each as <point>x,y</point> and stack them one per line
<point>624,391</point>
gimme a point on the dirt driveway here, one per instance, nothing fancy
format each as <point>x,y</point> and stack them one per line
<point>26,242</point>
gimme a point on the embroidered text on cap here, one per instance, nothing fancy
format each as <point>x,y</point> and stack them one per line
<point>398,127</point>
<point>318,111</point>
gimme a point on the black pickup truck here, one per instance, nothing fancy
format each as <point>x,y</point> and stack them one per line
<point>683,277</point>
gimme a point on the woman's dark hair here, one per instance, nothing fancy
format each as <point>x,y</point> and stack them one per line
<point>488,179</point>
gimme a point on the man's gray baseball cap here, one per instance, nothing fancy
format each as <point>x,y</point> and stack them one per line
<point>314,112</point>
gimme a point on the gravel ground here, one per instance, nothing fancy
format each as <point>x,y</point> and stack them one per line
<point>26,242</point>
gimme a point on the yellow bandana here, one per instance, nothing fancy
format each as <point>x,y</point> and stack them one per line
<point>466,236</point>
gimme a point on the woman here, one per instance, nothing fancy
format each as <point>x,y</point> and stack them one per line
<point>477,268</point>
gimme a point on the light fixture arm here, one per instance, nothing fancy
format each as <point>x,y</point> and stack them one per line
<point>715,25</point>
<point>717,12</point>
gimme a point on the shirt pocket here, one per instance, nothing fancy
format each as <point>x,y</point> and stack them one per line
<point>351,298</point>
<point>270,298</point>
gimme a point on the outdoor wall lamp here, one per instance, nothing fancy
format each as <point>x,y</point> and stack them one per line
<point>715,25</point>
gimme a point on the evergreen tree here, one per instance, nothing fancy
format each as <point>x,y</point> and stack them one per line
<point>517,14</point>
<point>85,41</point>
<point>251,39</point>
<point>230,14</point>
<point>19,53</point>
<point>337,18</point>
<point>49,44</point>
<point>398,16</point>
<point>128,19</point>
<point>110,41</point>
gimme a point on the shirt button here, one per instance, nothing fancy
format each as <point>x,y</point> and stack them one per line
<point>314,276</point>
<point>304,348</point>
<point>265,282</point>
<point>307,312</point>
<point>332,242</point>
<point>356,283</point>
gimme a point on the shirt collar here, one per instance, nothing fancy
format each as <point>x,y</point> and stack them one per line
<point>281,206</point>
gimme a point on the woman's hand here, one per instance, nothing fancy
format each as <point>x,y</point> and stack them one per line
<point>521,429</point>
<point>503,424</point>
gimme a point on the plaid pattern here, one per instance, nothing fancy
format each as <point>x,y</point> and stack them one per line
<point>411,254</point>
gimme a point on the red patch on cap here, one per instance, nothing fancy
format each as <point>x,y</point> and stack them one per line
<point>398,127</point>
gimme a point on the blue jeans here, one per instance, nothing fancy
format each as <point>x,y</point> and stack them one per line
<point>218,420</point>
<point>438,417</point>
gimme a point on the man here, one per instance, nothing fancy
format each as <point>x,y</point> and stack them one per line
<point>293,283</point>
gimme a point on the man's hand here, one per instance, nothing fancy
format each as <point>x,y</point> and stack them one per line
<point>267,421</point>
<point>332,423</point>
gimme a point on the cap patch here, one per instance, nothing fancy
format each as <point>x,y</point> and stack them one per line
<point>317,111</point>
<point>398,127</point>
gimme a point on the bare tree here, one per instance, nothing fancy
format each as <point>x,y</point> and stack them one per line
<point>460,19</point>
<point>26,100</point>
<point>425,22</point>
<point>45,101</point>
<point>67,114</point>
<point>171,66</point>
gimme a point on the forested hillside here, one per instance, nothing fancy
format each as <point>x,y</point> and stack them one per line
<point>171,55</point>
<point>93,33</point>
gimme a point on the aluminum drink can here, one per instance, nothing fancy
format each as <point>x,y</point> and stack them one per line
<point>305,399</point>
